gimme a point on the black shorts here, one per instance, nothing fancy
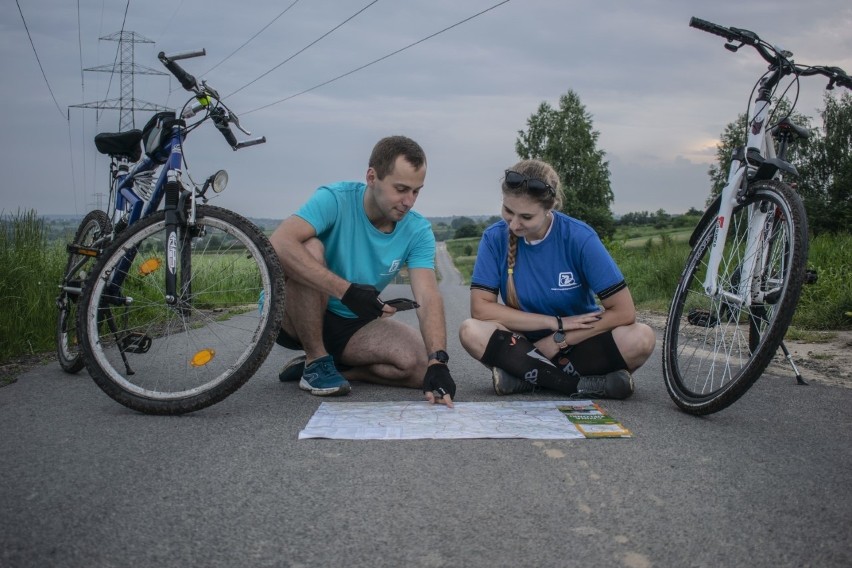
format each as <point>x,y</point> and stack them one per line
<point>336,333</point>
<point>597,355</point>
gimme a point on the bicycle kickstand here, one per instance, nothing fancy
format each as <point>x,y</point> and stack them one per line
<point>799,379</point>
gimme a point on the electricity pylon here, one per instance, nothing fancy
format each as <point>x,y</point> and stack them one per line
<point>126,67</point>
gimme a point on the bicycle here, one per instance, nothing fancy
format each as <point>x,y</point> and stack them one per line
<point>742,280</point>
<point>169,319</point>
<point>127,196</point>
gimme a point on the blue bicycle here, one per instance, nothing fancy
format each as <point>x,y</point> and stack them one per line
<point>169,320</point>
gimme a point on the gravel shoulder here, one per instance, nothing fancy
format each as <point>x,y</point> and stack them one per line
<point>826,359</point>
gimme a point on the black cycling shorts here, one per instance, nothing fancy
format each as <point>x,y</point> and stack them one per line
<point>336,333</point>
<point>597,355</point>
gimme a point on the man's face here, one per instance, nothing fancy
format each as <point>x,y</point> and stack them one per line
<point>395,195</point>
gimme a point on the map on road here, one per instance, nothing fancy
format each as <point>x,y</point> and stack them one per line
<point>539,420</point>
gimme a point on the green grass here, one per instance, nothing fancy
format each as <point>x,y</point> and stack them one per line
<point>29,279</point>
<point>33,269</point>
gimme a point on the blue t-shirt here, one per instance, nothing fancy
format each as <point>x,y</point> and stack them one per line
<point>558,276</point>
<point>358,251</point>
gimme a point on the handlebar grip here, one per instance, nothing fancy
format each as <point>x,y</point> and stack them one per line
<point>186,80</point>
<point>711,28</point>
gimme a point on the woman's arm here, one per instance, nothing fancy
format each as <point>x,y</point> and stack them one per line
<point>484,307</point>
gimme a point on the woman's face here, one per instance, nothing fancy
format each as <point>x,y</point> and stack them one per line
<point>526,217</point>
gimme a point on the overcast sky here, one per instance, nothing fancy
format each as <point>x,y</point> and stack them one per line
<point>659,92</point>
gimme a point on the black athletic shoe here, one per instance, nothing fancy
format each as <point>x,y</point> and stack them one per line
<point>618,384</point>
<point>504,383</point>
<point>293,370</point>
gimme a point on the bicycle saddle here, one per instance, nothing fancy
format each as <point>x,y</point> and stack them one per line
<point>787,125</point>
<point>120,144</point>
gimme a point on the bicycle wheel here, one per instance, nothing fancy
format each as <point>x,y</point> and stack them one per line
<point>714,348</point>
<point>94,227</point>
<point>162,358</point>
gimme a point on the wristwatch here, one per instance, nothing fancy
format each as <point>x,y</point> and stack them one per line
<point>440,356</point>
<point>559,336</point>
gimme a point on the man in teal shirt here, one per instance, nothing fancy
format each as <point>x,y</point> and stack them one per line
<point>339,250</point>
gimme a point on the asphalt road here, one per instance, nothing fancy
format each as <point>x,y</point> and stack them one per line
<point>87,482</point>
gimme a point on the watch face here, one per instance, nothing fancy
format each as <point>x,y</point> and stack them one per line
<point>440,356</point>
<point>559,337</point>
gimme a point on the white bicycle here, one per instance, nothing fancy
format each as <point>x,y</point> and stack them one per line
<point>742,281</point>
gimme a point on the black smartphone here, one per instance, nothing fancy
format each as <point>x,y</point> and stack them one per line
<point>402,304</point>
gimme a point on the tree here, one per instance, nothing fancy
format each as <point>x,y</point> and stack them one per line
<point>468,231</point>
<point>459,222</point>
<point>826,180</point>
<point>565,139</point>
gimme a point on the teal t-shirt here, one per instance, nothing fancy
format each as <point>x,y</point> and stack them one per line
<point>355,249</point>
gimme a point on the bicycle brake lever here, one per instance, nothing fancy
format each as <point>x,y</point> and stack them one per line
<point>236,120</point>
<point>209,90</point>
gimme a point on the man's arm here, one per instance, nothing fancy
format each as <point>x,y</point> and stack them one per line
<point>433,326</point>
<point>289,240</point>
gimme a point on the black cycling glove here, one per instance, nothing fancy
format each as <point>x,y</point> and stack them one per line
<point>438,379</point>
<point>363,300</point>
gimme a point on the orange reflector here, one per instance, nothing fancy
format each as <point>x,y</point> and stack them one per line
<point>202,357</point>
<point>149,266</point>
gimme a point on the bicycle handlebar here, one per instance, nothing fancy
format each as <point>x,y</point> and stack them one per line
<point>772,55</point>
<point>221,115</point>
<point>186,80</point>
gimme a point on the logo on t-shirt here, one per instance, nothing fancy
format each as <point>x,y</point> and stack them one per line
<point>393,268</point>
<point>566,280</point>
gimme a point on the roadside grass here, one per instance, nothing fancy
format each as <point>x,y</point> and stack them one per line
<point>32,270</point>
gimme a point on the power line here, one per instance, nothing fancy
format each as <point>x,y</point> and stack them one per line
<point>306,47</point>
<point>252,37</point>
<point>400,50</point>
<point>39,60</point>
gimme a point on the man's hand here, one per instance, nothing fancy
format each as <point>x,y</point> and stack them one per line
<point>363,300</point>
<point>438,380</point>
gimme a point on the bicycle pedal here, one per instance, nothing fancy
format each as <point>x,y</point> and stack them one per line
<point>702,318</point>
<point>83,250</point>
<point>137,343</point>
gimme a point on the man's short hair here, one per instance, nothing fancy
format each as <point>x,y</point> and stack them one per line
<point>388,149</point>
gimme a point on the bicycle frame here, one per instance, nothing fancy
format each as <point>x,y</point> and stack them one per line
<point>168,186</point>
<point>733,191</point>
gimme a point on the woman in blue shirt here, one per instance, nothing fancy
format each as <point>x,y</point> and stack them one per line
<point>549,269</point>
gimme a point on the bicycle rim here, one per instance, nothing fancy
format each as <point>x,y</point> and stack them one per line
<point>163,358</point>
<point>94,227</point>
<point>714,349</point>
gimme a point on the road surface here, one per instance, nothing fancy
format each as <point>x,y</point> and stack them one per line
<point>86,482</point>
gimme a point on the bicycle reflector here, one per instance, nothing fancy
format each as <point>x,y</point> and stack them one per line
<point>149,266</point>
<point>202,357</point>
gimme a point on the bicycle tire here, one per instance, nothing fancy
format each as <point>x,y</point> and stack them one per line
<point>714,350</point>
<point>94,226</point>
<point>173,359</point>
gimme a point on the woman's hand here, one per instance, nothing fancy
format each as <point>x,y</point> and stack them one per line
<point>583,321</point>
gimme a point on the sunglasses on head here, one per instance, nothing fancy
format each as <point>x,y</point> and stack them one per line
<point>514,180</point>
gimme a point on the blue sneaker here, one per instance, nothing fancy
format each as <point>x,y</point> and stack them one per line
<point>322,379</point>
